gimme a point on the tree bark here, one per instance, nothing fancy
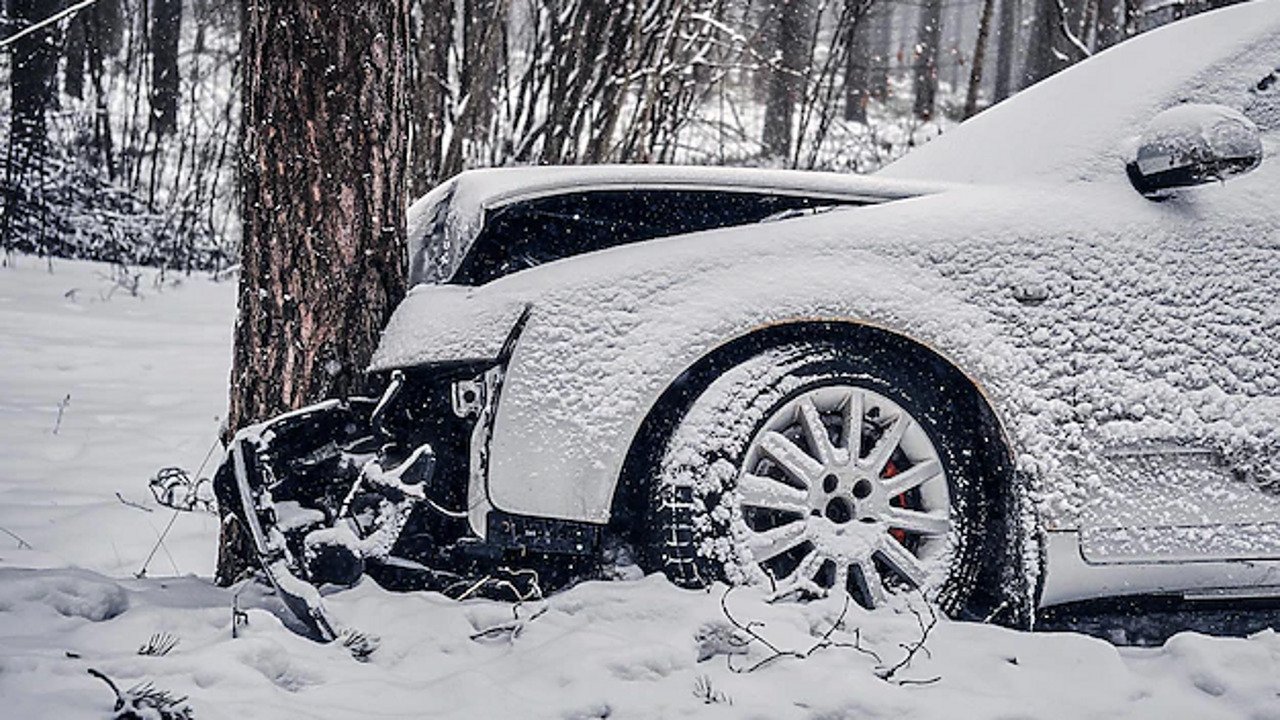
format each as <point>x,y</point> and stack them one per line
<point>73,67</point>
<point>787,79</point>
<point>1006,60</point>
<point>1110,23</point>
<point>862,58</point>
<point>430,96</point>
<point>979,59</point>
<point>1047,53</point>
<point>166,29</point>
<point>926,68</point>
<point>33,67</point>
<point>323,199</point>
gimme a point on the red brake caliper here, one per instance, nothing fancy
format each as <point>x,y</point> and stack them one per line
<point>901,501</point>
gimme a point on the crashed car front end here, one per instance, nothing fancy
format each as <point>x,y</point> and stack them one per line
<point>391,487</point>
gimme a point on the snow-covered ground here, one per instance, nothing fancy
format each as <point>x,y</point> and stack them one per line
<point>146,378</point>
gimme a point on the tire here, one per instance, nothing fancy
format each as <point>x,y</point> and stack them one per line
<point>762,483</point>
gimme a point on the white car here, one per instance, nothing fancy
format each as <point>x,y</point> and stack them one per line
<point>1036,361</point>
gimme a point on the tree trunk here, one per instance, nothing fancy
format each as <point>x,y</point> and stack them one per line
<point>1006,60</point>
<point>73,69</point>
<point>1110,23</point>
<point>1046,51</point>
<point>430,96</point>
<point>787,79</point>
<point>926,67</point>
<point>166,28</point>
<point>861,59</point>
<point>323,158</point>
<point>33,67</point>
<point>979,59</point>
<point>882,49</point>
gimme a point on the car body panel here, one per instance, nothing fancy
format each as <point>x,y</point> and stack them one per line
<point>1085,121</point>
<point>1102,327</point>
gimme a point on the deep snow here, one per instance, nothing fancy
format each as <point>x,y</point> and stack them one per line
<point>147,379</point>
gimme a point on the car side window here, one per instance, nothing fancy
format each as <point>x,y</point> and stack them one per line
<point>532,232</point>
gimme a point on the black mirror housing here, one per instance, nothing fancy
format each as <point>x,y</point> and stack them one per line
<point>1193,144</point>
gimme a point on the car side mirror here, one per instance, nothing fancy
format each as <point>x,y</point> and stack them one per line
<point>1192,144</point>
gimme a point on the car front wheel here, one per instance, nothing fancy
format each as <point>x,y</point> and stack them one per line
<point>816,467</point>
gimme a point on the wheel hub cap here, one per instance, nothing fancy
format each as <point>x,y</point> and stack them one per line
<point>841,489</point>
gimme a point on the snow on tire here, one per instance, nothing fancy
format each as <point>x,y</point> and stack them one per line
<point>818,467</point>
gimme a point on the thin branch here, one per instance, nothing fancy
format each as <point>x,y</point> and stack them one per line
<point>45,23</point>
<point>21,543</point>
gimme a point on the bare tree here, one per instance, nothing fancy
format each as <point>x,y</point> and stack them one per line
<point>979,59</point>
<point>323,157</point>
<point>430,99</point>
<point>166,28</point>
<point>868,48</point>
<point>786,81</point>
<point>926,67</point>
<point>1006,58</point>
<point>33,64</point>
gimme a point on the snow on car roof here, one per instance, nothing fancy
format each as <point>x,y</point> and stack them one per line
<point>1084,123</point>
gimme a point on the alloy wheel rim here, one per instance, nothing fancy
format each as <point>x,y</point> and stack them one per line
<point>822,508</point>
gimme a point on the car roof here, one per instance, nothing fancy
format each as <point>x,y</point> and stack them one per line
<point>1084,123</point>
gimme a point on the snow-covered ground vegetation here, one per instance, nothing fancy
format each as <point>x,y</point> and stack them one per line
<point>111,374</point>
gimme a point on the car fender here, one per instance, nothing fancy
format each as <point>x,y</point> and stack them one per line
<point>590,366</point>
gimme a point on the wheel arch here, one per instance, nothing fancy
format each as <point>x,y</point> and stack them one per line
<point>634,485</point>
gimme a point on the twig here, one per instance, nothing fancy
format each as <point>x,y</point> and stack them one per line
<point>114,689</point>
<point>912,649</point>
<point>132,504</point>
<point>511,629</point>
<point>823,642</point>
<point>159,645</point>
<point>142,572</point>
<point>62,408</point>
<point>21,543</point>
<point>45,23</point>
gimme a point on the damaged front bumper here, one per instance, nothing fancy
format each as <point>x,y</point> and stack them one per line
<point>344,488</point>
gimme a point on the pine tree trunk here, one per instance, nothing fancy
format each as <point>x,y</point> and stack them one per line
<point>323,158</point>
<point>926,71</point>
<point>1046,53</point>
<point>881,49</point>
<point>1006,60</point>
<point>33,67</point>
<point>857,75</point>
<point>787,79</point>
<point>73,69</point>
<point>979,59</point>
<point>430,96</point>
<point>166,28</point>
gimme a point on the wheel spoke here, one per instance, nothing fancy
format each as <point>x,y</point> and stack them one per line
<point>901,560</point>
<point>802,576</point>
<point>816,432</point>
<point>842,577</point>
<point>772,494</point>
<point>775,541</point>
<point>853,411</point>
<point>870,582</point>
<point>911,478</point>
<point>795,461</point>
<point>917,522</point>
<point>887,443</point>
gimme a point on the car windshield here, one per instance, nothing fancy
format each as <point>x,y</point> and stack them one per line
<point>531,232</point>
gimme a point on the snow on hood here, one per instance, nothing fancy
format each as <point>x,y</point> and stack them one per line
<point>1083,123</point>
<point>450,216</point>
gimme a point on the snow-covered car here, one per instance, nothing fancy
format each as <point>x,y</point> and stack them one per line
<point>1036,361</point>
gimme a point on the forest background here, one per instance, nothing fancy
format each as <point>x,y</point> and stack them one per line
<point>122,117</point>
